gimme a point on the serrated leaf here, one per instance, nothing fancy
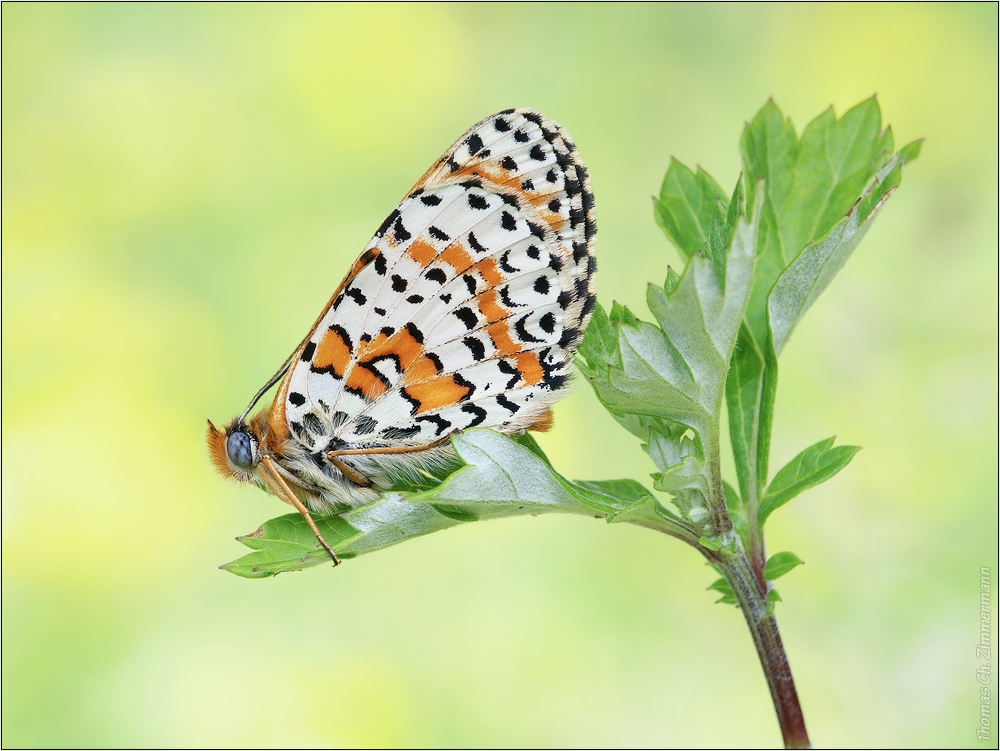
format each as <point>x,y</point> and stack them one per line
<point>724,225</point>
<point>700,321</point>
<point>501,478</point>
<point>641,386</point>
<point>671,282</point>
<point>811,272</point>
<point>814,465</point>
<point>780,564</point>
<point>623,316</point>
<point>810,184</point>
<point>911,151</point>
<point>599,347</point>
<point>686,206</point>
<point>287,544</point>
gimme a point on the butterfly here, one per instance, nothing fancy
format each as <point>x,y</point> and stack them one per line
<point>463,311</point>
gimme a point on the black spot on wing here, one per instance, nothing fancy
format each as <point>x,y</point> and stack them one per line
<point>475,244</point>
<point>412,330</point>
<point>507,404</point>
<point>478,413</point>
<point>384,227</point>
<point>468,317</point>
<point>398,434</point>
<point>476,347</point>
<point>440,423</point>
<point>313,424</point>
<point>505,264</point>
<point>437,234</point>
<point>515,375</point>
<point>460,381</point>
<point>308,352</point>
<point>356,294</point>
<point>400,232</point>
<point>522,331</point>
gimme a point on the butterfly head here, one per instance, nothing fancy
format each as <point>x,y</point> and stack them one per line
<point>235,450</point>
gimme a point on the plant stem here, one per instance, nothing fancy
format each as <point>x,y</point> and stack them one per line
<point>764,630</point>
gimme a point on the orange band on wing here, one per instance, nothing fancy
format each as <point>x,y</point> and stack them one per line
<point>530,368</point>
<point>491,309</point>
<point>488,270</point>
<point>422,252</point>
<point>334,351</point>
<point>500,334</point>
<point>363,380</point>
<point>437,393</point>
<point>457,257</point>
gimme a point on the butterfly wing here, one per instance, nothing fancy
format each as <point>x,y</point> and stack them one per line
<point>465,307</point>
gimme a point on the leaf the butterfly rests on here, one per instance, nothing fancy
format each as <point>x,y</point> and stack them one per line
<point>463,311</point>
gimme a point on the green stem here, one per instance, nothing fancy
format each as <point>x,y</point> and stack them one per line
<point>739,572</point>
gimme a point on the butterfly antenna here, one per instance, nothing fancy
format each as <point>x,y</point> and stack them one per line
<point>264,389</point>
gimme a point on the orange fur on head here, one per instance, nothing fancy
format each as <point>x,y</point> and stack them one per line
<point>217,450</point>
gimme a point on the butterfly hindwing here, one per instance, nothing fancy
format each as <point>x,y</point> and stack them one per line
<point>475,290</point>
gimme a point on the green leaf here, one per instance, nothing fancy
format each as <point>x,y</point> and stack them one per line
<point>671,379</point>
<point>744,391</point>
<point>600,343</point>
<point>671,282</point>
<point>816,464</point>
<point>811,272</point>
<point>724,225</point>
<point>780,564</point>
<point>501,478</point>
<point>810,184</point>
<point>686,207</point>
<point>623,316</point>
<point>700,321</point>
<point>287,544</point>
<point>722,587</point>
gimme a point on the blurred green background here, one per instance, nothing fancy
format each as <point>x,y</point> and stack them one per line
<point>183,188</point>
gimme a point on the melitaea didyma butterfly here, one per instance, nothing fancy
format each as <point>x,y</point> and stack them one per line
<point>462,311</point>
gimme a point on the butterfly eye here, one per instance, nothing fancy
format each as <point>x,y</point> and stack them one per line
<point>242,449</point>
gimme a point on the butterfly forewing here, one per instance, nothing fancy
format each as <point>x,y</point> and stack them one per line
<point>467,305</point>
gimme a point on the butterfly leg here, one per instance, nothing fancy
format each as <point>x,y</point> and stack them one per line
<point>280,488</point>
<point>359,479</point>
<point>349,472</point>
